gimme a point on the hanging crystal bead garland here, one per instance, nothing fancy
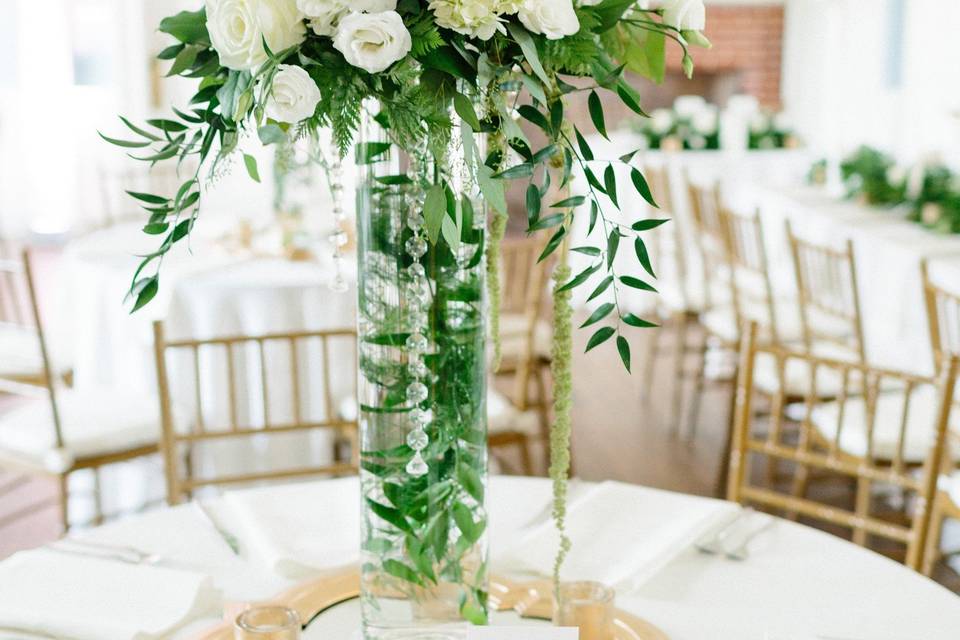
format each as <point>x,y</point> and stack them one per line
<point>418,303</point>
<point>338,239</point>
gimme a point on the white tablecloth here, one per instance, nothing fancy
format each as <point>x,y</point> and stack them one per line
<point>798,583</point>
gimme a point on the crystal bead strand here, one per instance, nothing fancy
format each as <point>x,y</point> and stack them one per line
<point>338,239</point>
<point>418,301</point>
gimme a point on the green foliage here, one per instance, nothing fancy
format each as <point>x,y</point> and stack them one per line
<point>448,86</point>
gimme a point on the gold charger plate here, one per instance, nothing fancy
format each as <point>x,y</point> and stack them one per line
<point>528,599</point>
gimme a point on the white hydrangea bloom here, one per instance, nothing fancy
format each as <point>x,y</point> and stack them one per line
<point>475,18</point>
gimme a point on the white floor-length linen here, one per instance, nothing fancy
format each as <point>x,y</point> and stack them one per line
<point>797,584</point>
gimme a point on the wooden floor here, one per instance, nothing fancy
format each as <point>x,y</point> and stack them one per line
<point>615,437</point>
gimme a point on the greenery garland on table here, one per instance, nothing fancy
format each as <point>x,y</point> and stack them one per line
<point>282,69</point>
<point>930,193</point>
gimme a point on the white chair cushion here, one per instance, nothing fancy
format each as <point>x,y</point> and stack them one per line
<point>950,484</point>
<point>503,417</point>
<point>513,332</point>
<point>886,429</point>
<point>93,423</point>
<point>20,353</point>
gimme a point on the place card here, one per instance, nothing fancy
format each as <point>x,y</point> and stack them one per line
<point>523,633</point>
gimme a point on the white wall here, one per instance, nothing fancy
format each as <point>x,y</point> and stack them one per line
<point>839,82</point>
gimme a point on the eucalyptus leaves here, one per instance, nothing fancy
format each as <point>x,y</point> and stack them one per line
<point>436,76</point>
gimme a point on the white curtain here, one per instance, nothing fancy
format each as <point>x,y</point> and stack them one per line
<point>70,64</point>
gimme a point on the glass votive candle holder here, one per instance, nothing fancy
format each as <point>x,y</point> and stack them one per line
<point>588,606</point>
<point>267,623</point>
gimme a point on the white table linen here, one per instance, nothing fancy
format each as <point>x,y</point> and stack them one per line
<point>598,526</point>
<point>272,520</point>
<point>85,598</point>
<point>798,583</point>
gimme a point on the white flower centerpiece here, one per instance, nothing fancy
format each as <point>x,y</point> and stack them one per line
<point>425,93</point>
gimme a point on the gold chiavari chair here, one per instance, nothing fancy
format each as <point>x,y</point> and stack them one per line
<point>943,318</point>
<point>878,446</point>
<point>706,303</point>
<point>526,337</point>
<point>55,431</point>
<point>681,299</point>
<point>182,437</point>
<point>829,298</point>
<point>116,207</point>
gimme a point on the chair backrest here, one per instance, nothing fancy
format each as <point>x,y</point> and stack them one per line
<point>658,177</point>
<point>843,439</point>
<point>943,319</point>
<point>201,365</point>
<point>749,274</point>
<point>20,314</point>
<point>829,297</point>
<point>709,236</point>
<point>116,206</point>
<point>524,293</point>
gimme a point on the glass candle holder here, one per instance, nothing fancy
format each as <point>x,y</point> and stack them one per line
<point>588,606</point>
<point>267,623</point>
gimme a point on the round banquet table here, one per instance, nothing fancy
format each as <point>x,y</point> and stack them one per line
<point>798,583</point>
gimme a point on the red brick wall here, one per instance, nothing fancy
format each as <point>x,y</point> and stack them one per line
<point>747,41</point>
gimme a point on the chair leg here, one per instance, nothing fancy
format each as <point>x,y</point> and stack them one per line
<point>64,489</point>
<point>931,552</point>
<point>650,363</point>
<point>723,473</point>
<point>523,443</point>
<point>698,386</point>
<point>97,497</point>
<point>862,509</point>
<point>679,355</point>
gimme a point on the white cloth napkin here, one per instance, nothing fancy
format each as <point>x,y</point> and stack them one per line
<point>301,529</point>
<point>622,535</point>
<point>46,592</point>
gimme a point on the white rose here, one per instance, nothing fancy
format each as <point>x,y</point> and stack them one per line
<point>685,15</point>
<point>554,19</point>
<point>239,27</point>
<point>293,96</point>
<point>373,41</point>
<point>475,18</point>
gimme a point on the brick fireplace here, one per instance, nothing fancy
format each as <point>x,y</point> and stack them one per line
<point>746,56</point>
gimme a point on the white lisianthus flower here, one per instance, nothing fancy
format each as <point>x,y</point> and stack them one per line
<point>639,4</point>
<point>474,18</point>
<point>685,15</point>
<point>238,29</point>
<point>323,15</point>
<point>293,96</point>
<point>372,6</point>
<point>554,19</point>
<point>373,41</point>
